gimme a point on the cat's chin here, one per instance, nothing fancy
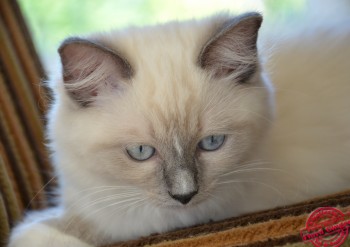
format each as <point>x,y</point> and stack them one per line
<point>180,206</point>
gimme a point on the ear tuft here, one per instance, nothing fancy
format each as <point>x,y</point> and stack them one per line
<point>90,69</point>
<point>232,51</point>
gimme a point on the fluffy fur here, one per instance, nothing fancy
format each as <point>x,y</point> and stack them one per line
<point>170,100</point>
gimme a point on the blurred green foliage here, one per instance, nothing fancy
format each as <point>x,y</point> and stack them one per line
<point>51,21</point>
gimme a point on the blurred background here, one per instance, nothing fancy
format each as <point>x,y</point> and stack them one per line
<point>52,21</point>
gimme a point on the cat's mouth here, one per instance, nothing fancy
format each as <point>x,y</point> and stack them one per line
<point>179,206</point>
<point>187,201</point>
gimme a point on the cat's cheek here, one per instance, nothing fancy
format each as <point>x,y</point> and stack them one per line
<point>215,164</point>
<point>228,151</point>
<point>136,173</point>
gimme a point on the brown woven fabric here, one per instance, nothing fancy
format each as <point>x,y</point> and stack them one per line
<point>275,227</point>
<point>24,167</point>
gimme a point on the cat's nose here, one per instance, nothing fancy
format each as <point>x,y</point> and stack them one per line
<point>184,198</point>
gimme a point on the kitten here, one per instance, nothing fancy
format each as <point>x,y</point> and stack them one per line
<point>163,127</point>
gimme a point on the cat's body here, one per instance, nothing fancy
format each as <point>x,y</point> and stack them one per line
<point>169,87</point>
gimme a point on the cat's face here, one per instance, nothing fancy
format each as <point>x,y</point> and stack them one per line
<point>170,116</point>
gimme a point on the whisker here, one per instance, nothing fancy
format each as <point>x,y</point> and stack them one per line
<point>212,195</point>
<point>247,165</point>
<point>98,210</point>
<point>110,187</point>
<point>100,191</point>
<point>113,204</point>
<point>136,204</point>
<point>254,163</point>
<point>105,199</point>
<point>252,170</point>
<point>38,192</point>
<point>253,181</point>
<point>133,206</point>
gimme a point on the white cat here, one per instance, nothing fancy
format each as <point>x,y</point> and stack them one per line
<point>163,127</point>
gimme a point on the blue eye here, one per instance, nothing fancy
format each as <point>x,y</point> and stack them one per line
<point>140,152</point>
<point>211,143</point>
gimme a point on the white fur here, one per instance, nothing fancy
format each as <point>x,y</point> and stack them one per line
<point>306,150</point>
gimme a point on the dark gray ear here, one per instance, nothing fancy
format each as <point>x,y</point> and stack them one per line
<point>231,51</point>
<point>90,68</point>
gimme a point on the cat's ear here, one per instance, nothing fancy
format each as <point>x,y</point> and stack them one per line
<point>232,51</point>
<point>90,69</point>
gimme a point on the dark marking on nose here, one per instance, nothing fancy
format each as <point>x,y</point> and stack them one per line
<point>185,198</point>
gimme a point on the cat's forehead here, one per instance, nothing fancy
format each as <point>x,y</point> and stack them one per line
<point>162,52</point>
<point>169,86</point>
<point>168,83</point>
<point>172,108</point>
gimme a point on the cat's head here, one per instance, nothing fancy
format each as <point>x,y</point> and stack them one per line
<point>166,109</point>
